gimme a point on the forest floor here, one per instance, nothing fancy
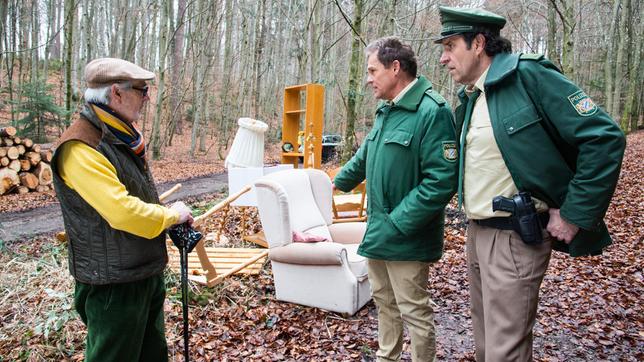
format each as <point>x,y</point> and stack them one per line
<point>590,308</point>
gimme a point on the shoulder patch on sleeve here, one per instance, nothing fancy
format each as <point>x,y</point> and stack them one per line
<point>436,97</point>
<point>450,151</point>
<point>582,103</point>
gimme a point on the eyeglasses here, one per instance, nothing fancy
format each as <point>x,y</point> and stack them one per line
<point>143,90</point>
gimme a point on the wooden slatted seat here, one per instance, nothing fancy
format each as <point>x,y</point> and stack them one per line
<point>225,261</point>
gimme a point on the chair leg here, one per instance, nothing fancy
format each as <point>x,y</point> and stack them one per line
<point>335,209</point>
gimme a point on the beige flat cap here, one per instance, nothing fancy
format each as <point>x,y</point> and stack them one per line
<point>103,71</point>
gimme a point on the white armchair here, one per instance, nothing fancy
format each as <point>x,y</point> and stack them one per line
<point>328,275</point>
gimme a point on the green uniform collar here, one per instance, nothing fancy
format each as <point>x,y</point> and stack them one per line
<point>502,66</point>
<point>411,100</point>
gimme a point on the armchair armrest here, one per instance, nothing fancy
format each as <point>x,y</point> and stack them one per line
<point>322,253</point>
<point>348,233</point>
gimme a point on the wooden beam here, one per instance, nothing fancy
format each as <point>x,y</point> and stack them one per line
<point>169,192</point>
<point>201,218</point>
<point>219,279</point>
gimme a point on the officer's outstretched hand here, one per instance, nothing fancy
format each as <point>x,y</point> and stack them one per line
<point>185,214</point>
<point>560,228</point>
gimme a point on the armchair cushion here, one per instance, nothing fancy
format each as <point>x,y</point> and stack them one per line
<point>325,253</point>
<point>348,233</point>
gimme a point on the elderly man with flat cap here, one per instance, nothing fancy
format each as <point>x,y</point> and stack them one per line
<point>539,162</point>
<point>113,219</point>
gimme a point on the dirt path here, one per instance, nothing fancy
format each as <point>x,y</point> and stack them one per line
<point>18,225</point>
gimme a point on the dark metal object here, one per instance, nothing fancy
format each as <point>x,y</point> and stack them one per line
<point>184,238</point>
<point>525,219</point>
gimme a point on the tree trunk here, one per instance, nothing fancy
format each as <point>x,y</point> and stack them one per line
<point>46,156</point>
<point>176,110</point>
<point>33,157</point>
<point>10,152</point>
<point>199,77</point>
<point>15,165</point>
<point>8,131</point>
<point>313,34</point>
<point>28,180</point>
<point>609,69</point>
<point>25,165</point>
<point>634,74</point>
<point>619,66</point>
<point>552,53</point>
<point>260,27</point>
<point>8,180</point>
<point>226,108</point>
<point>163,51</point>
<point>388,25</point>
<point>55,48</point>
<point>35,30</point>
<point>355,67</point>
<point>43,172</point>
<point>70,8</point>
<point>4,9</point>
<point>568,45</point>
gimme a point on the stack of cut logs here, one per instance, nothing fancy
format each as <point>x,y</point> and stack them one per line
<point>24,166</point>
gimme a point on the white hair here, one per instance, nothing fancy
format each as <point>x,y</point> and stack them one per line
<point>102,95</point>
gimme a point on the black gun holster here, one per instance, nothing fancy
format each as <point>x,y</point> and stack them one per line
<point>525,219</point>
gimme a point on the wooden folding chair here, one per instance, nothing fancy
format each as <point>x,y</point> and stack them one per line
<point>211,265</point>
<point>349,207</point>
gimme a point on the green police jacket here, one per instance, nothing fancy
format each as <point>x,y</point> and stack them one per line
<point>410,163</point>
<point>556,143</point>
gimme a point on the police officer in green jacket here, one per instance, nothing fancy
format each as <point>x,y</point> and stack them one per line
<point>409,160</point>
<point>524,129</point>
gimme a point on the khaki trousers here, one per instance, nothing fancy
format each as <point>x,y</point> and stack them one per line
<point>504,275</point>
<point>399,289</point>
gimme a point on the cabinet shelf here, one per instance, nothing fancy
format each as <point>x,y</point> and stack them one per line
<point>302,123</point>
<point>292,154</point>
<point>295,88</point>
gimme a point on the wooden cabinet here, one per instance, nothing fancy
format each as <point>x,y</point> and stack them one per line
<point>303,114</point>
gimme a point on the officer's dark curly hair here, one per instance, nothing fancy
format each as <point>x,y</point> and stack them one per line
<point>391,48</point>
<point>494,42</point>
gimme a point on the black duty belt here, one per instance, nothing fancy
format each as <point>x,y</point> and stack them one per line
<point>505,223</point>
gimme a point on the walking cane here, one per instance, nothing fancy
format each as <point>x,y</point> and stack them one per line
<point>184,238</point>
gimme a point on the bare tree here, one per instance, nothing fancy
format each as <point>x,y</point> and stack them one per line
<point>354,78</point>
<point>70,11</point>
<point>156,142</point>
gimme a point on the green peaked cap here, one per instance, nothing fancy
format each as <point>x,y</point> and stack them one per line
<point>464,20</point>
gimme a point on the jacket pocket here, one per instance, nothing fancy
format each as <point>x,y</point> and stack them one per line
<point>521,119</point>
<point>401,138</point>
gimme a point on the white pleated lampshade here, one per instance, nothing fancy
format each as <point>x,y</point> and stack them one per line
<point>248,146</point>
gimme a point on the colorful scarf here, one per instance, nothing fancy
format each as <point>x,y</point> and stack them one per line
<point>122,130</point>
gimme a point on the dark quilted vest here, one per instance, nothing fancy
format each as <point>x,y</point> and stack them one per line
<point>99,254</point>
